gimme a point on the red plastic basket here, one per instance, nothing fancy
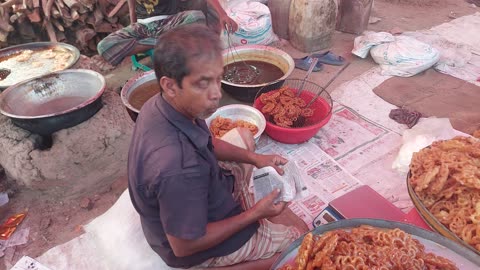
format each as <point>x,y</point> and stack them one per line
<point>322,112</point>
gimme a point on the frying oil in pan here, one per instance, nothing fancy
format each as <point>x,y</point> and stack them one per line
<point>54,106</point>
<point>266,72</point>
<point>143,93</point>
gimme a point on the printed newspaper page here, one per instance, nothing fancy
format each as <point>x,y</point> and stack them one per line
<point>290,184</point>
<point>348,152</point>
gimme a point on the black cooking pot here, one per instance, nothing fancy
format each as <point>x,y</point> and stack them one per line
<point>277,57</point>
<point>46,104</point>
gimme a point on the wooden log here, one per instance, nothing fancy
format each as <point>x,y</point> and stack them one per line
<point>92,45</point>
<point>117,7</point>
<point>5,25</point>
<point>75,15</point>
<point>112,20</point>
<point>34,16</point>
<point>89,4</point>
<point>84,35</point>
<point>10,3</point>
<point>14,17</point>
<point>72,4</point>
<point>48,8</point>
<point>102,6</point>
<point>55,13</point>
<point>3,36</point>
<point>83,18</point>
<point>103,27</point>
<point>58,25</point>
<point>60,4</point>
<point>98,15</point>
<point>61,36</point>
<point>27,31</point>
<point>50,31</point>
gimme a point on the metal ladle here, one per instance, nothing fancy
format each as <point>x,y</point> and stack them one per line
<point>245,74</point>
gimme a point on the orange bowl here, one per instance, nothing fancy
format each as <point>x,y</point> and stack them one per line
<point>322,112</point>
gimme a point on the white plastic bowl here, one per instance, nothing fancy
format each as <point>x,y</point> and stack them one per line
<point>241,112</point>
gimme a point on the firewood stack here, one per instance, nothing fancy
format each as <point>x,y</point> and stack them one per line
<point>82,23</point>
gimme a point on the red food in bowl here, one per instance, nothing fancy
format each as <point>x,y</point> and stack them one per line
<point>322,112</point>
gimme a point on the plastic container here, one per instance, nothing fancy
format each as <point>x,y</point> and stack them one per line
<point>321,115</point>
<point>311,24</point>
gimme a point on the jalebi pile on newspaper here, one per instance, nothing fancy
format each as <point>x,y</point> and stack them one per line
<point>446,178</point>
<point>365,248</point>
<point>221,125</point>
<point>283,107</point>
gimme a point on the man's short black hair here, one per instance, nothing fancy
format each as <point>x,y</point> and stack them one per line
<point>177,48</point>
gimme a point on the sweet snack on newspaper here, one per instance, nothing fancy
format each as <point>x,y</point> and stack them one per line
<point>365,248</point>
<point>446,179</point>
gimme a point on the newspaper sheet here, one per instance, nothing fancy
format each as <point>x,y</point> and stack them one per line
<point>348,152</point>
<point>290,184</point>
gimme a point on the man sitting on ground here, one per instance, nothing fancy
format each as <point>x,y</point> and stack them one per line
<point>195,213</point>
<point>156,17</point>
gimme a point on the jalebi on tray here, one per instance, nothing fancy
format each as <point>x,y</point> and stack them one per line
<point>446,178</point>
<point>365,248</point>
<point>221,125</point>
<point>284,107</point>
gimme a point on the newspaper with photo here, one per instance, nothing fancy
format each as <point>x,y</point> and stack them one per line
<point>349,151</point>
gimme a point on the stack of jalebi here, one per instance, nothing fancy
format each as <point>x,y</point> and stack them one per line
<point>221,125</point>
<point>446,178</point>
<point>284,107</point>
<point>365,248</point>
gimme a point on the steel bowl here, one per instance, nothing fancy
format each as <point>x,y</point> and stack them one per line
<point>129,88</point>
<point>433,242</point>
<point>55,101</point>
<point>25,70</point>
<point>241,112</point>
<point>277,57</point>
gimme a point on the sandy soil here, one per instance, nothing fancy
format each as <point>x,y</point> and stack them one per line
<point>54,222</point>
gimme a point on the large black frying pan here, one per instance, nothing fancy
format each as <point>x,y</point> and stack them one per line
<point>46,104</point>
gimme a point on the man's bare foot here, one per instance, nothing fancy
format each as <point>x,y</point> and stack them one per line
<point>102,65</point>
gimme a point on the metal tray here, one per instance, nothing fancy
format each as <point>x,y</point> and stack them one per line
<point>431,220</point>
<point>463,257</point>
<point>20,71</point>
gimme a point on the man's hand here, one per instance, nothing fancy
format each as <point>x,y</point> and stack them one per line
<point>228,23</point>
<point>266,208</point>
<point>275,161</point>
<point>225,22</point>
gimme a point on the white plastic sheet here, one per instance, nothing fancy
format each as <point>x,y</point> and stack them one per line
<point>254,24</point>
<point>420,136</point>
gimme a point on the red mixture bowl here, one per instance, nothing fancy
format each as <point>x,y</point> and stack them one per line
<point>322,112</point>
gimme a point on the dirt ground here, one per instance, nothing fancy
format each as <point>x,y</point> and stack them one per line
<point>55,222</point>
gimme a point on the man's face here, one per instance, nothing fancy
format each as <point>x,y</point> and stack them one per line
<point>200,94</point>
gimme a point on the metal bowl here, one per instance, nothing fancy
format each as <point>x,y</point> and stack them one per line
<point>433,242</point>
<point>21,71</point>
<point>55,101</point>
<point>267,54</point>
<point>129,88</point>
<point>241,112</point>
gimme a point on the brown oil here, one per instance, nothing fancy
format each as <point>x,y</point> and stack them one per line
<point>266,72</point>
<point>54,106</point>
<point>143,93</point>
